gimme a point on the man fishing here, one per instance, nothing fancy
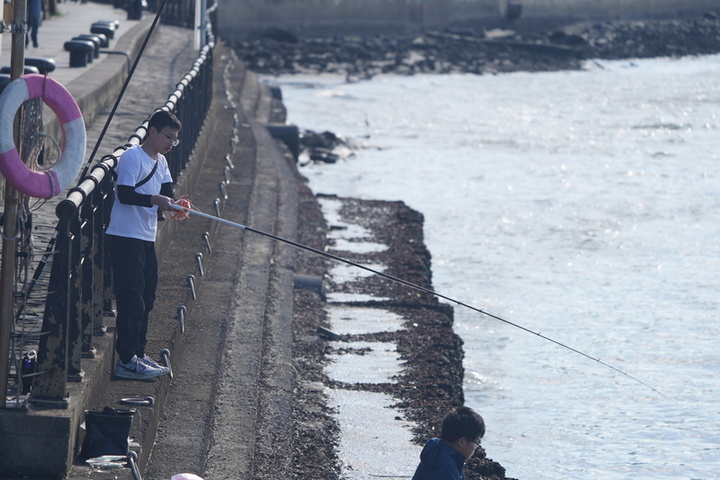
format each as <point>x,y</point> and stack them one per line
<point>143,186</point>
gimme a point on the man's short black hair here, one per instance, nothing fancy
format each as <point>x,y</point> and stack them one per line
<point>463,422</point>
<point>162,118</point>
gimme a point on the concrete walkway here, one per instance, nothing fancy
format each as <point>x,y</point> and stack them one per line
<point>73,19</point>
<point>97,84</point>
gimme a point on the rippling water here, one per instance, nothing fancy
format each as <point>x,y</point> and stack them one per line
<point>580,205</point>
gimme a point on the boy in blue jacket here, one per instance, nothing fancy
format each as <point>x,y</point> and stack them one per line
<point>443,458</point>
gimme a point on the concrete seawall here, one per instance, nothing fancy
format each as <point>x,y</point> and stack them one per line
<point>332,17</point>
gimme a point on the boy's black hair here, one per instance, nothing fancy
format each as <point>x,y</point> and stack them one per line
<point>162,119</point>
<point>463,422</point>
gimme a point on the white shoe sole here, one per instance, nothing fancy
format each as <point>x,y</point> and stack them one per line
<point>119,373</point>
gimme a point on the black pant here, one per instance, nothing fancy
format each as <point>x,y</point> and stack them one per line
<point>135,279</point>
<point>32,33</point>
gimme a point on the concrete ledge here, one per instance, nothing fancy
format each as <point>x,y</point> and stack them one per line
<point>43,440</point>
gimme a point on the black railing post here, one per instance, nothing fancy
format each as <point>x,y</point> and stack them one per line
<point>100,198</point>
<point>75,321</point>
<point>87,275</point>
<point>50,386</point>
<point>108,199</point>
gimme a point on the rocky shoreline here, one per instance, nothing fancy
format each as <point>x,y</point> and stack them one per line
<point>432,379</point>
<point>431,382</point>
<point>277,52</point>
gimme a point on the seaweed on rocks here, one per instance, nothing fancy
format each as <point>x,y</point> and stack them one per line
<point>431,380</point>
<point>480,51</point>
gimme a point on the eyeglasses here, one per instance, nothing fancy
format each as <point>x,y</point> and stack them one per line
<point>175,141</point>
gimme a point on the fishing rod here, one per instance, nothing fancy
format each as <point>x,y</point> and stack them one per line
<point>189,210</point>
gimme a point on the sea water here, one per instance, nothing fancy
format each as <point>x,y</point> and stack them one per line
<point>582,206</point>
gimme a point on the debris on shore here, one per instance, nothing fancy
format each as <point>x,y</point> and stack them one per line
<point>431,381</point>
<point>325,147</point>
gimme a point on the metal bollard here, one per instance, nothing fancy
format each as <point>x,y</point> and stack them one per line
<point>165,354</point>
<point>132,461</point>
<point>216,202</point>
<point>191,284</point>
<point>226,174</point>
<point>206,237</point>
<point>223,191</point>
<point>148,401</point>
<point>229,161</point>
<point>181,317</point>
<point>198,260</point>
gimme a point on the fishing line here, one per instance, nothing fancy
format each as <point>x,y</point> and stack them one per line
<point>422,289</point>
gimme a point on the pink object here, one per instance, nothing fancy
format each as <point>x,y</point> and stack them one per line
<point>59,177</point>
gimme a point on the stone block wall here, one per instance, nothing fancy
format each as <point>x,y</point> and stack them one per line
<point>242,18</point>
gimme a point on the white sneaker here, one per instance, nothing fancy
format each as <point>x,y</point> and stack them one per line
<point>137,370</point>
<point>151,363</point>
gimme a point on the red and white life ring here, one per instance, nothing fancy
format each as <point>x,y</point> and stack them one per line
<point>51,182</point>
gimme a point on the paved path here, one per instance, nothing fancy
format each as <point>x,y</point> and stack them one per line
<point>97,84</point>
<point>73,19</point>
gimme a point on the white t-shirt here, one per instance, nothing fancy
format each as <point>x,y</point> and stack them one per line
<point>134,221</point>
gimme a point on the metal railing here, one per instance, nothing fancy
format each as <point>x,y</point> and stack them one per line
<point>79,290</point>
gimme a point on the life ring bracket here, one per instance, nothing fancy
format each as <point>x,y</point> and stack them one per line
<point>48,183</point>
